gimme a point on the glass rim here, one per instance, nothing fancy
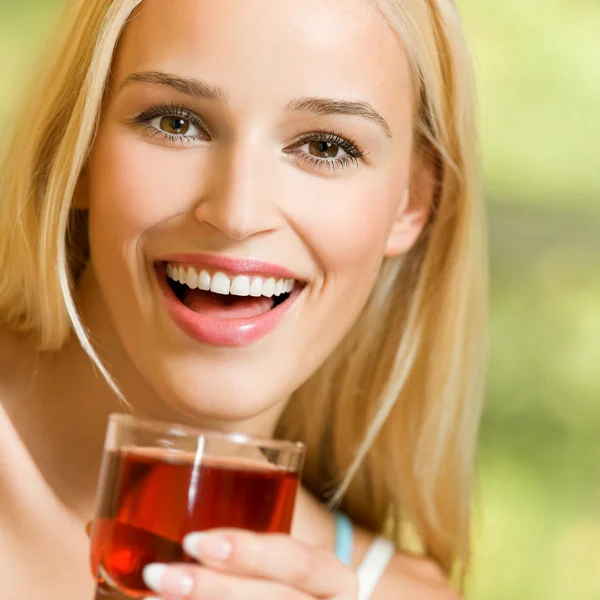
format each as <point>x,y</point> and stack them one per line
<point>191,431</point>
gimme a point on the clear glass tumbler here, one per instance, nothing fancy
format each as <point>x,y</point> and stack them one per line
<point>161,481</point>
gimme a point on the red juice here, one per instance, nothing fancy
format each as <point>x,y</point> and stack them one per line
<point>153,499</point>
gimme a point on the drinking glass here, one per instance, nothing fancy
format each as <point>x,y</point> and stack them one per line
<point>161,481</point>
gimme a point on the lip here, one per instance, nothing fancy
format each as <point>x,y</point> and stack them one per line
<point>232,266</point>
<point>222,332</point>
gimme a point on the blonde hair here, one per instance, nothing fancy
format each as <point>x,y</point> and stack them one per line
<point>390,419</point>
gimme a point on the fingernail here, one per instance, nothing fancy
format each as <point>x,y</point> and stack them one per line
<point>167,580</point>
<point>207,546</point>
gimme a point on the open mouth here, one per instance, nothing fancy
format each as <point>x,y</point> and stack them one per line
<point>226,301</point>
<point>221,296</point>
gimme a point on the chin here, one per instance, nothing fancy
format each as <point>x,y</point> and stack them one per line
<point>230,392</point>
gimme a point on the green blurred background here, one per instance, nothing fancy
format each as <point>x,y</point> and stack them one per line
<point>538,515</point>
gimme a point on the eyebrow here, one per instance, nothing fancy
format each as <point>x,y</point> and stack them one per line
<point>200,88</point>
<point>197,88</point>
<point>330,106</point>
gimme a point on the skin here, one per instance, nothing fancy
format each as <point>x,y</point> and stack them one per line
<point>242,195</point>
<point>242,187</point>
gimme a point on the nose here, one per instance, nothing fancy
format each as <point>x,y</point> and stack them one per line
<point>239,198</point>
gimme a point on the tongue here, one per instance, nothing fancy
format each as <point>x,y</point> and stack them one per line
<point>226,307</point>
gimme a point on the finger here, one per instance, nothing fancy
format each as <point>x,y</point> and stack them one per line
<point>174,582</point>
<point>275,557</point>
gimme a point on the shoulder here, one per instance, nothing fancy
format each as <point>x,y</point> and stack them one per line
<point>407,576</point>
<point>414,579</point>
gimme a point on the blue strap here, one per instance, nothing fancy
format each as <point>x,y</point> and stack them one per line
<point>344,538</point>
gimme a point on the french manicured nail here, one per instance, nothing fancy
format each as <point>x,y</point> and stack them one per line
<point>207,546</point>
<point>167,580</point>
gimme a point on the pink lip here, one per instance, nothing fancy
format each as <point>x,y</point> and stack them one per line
<point>232,266</point>
<point>222,332</point>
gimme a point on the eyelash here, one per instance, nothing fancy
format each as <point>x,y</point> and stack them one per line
<point>168,110</point>
<point>352,157</point>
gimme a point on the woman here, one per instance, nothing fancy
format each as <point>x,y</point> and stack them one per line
<point>248,216</point>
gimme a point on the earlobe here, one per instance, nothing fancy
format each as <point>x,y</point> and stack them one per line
<point>413,212</point>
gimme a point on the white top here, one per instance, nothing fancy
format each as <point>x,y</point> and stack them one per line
<point>373,566</point>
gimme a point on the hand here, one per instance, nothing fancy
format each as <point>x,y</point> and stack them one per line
<point>238,565</point>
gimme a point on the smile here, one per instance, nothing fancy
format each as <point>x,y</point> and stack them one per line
<point>226,302</point>
<point>220,283</point>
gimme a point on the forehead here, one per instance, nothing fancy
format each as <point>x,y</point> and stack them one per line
<point>272,50</point>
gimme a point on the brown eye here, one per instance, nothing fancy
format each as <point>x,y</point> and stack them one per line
<point>175,125</point>
<point>323,149</point>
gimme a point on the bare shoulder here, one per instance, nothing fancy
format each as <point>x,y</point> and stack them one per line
<point>407,576</point>
<point>413,578</point>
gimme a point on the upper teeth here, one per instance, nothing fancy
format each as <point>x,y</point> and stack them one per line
<point>219,283</point>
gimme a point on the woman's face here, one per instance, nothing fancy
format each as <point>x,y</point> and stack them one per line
<point>247,149</point>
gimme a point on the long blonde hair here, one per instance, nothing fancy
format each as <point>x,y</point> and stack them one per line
<point>390,419</point>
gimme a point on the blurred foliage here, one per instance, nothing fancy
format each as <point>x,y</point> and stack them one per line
<point>537,524</point>
<point>536,65</point>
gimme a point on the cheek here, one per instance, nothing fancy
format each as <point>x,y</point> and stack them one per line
<point>134,186</point>
<point>348,226</point>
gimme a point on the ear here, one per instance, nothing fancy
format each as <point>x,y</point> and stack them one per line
<point>414,209</point>
<point>80,199</point>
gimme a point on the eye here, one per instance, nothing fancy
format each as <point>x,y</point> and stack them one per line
<point>175,125</point>
<point>326,150</point>
<point>322,149</point>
